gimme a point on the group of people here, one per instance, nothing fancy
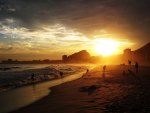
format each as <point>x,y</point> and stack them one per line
<point>136,65</point>
<point>104,69</point>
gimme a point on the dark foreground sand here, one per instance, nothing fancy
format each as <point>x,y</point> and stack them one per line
<point>96,92</point>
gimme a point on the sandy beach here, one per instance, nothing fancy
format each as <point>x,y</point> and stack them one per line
<point>99,92</point>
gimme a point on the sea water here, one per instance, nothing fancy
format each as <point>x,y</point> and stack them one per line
<point>19,97</point>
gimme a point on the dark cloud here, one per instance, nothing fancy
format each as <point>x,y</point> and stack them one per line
<point>128,17</point>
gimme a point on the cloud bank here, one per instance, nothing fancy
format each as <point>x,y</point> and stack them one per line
<point>31,26</point>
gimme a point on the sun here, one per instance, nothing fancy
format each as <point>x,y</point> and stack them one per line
<point>106,47</point>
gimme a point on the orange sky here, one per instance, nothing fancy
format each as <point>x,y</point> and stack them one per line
<point>54,41</point>
<point>52,28</point>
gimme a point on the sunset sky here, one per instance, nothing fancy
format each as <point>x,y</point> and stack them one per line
<point>39,29</point>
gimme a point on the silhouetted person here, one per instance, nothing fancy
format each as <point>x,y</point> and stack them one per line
<point>136,66</point>
<point>61,74</point>
<point>32,77</point>
<point>87,70</point>
<point>104,68</point>
<point>129,62</point>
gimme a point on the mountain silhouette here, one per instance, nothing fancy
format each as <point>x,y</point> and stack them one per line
<point>81,56</point>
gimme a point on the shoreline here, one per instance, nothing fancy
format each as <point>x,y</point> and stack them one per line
<point>94,94</point>
<point>22,78</point>
<point>37,88</point>
<point>36,83</point>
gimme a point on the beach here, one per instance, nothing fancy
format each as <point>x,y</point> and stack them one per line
<point>21,93</point>
<point>98,92</point>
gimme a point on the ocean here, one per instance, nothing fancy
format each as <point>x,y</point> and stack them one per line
<point>16,75</point>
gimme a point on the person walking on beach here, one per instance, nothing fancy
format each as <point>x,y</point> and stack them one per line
<point>136,66</point>
<point>129,62</point>
<point>104,68</point>
<point>87,70</point>
<point>61,74</point>
<point>32,77</point>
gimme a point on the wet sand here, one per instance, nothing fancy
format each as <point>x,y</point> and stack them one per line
<point>98,92</point>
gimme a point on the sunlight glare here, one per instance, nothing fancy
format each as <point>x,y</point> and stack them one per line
<point>106,47</point>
